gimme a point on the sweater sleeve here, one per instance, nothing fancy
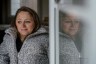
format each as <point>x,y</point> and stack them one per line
<point>45,48</point>
<point>4,59</point>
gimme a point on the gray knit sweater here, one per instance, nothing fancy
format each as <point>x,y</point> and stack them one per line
<point>33,51</point>
<point>68,51</point>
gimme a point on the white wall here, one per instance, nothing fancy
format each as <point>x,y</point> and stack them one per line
<point>30,3</point>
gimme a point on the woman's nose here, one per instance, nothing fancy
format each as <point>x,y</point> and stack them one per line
<point>72,23</point>
<point>23,25</point>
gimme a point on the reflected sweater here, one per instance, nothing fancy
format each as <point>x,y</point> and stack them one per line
<point>68,51</point>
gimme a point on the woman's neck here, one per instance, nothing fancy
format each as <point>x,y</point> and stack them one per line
<point>73,37</point>
<point>22,38</point>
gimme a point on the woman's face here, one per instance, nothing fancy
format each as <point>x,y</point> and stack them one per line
<point>24,23</point>
<point>70,25</point>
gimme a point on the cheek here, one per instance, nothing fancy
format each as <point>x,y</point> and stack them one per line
<point>66,26</point>
<point>65,29</point>
<point>77,26</point>
<point>17,26</point>
<point>31,26</point>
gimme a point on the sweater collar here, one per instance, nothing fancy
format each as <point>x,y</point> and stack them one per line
<point>13,32</point>
<point>66,35</point>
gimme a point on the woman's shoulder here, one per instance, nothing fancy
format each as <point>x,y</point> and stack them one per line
<point>66,42</point>
<point>10,33</point>
<point>11,30</point>
<point>40,32</point>
<point>65,37</point>
<point>41,36</point>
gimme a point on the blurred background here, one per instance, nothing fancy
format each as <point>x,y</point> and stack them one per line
<point>9,7</point>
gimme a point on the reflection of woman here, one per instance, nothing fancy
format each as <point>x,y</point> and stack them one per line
<point>68,52</point>
<point>25,42</point>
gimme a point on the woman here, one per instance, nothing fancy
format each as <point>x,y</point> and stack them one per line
<point>25,42</point>
<point>69,27</point>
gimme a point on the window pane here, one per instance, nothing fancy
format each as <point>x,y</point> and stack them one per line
<point>15,4</point>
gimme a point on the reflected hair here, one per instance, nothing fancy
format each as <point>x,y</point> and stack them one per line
<point>62,15</point>
<point>33,15</point>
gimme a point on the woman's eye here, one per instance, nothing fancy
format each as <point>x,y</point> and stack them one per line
<point>68,21</point>
<point>76,21</point>
<point>19,22</point>
<point>27,21</point>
